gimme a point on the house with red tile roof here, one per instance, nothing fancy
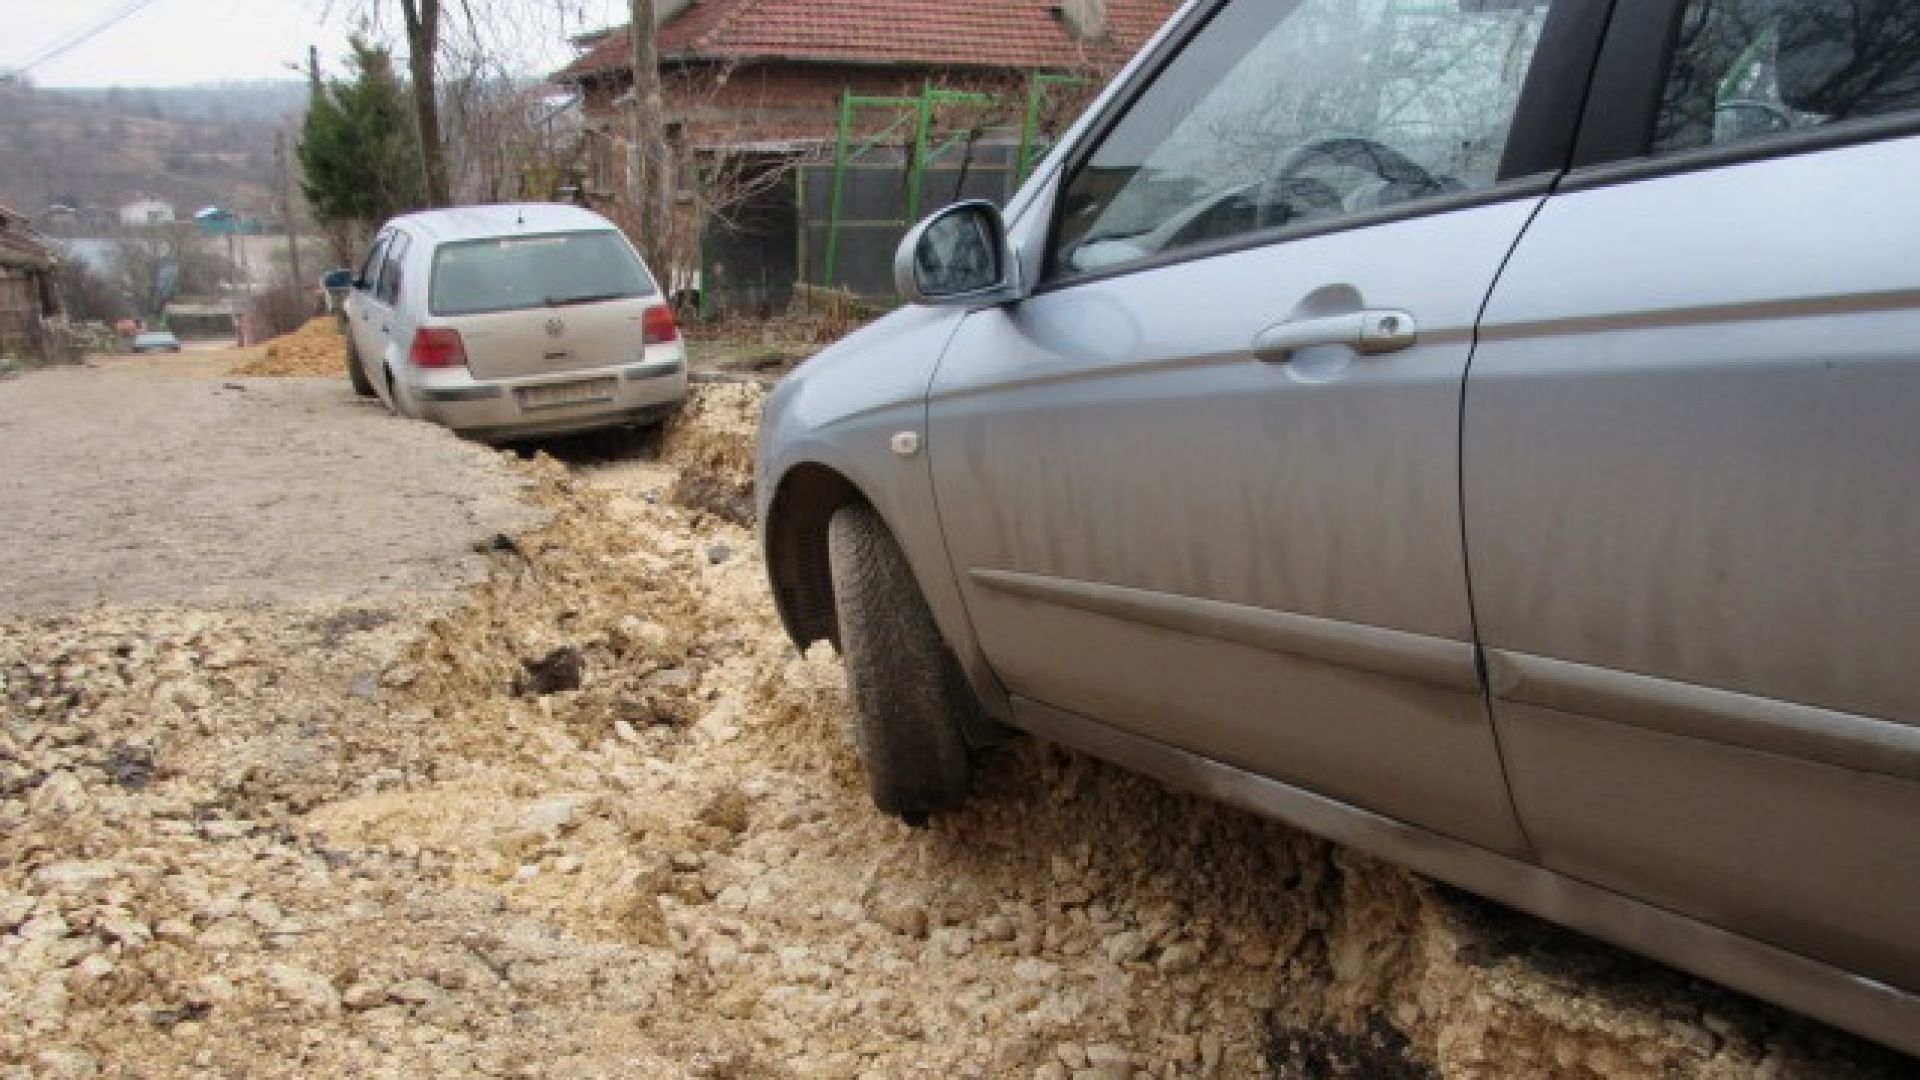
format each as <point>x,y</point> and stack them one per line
<point>765,71</point>
<point>765,78</point>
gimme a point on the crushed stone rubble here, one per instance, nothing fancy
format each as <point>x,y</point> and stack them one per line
<point>598,818</point>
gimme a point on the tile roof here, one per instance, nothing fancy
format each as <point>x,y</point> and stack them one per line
<point>24,253</point>
<point>21,247</point>
<point>1024,34</point>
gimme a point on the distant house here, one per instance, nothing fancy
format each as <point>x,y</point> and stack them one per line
<point>146,210</point>
<point>767,77</point>
<point>28,298</point>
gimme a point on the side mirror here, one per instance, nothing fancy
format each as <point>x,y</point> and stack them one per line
<point>337,280</point>
<point>958,257</point>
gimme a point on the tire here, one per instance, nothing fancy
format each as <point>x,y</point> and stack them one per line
<point>357,373</point>
<point>909,694</point>
<point>396,404</point>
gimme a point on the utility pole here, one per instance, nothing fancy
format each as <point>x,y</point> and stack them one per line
<point>235,309</point>
<point>313,70</point>
<point>286,194</point>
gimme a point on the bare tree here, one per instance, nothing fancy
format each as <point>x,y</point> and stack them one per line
<point>153,265</point>
<point>422,19</point>
<point>506,138</point>
<point>651,169</point>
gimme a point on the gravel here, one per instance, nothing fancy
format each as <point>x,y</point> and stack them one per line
<point>670,868</point>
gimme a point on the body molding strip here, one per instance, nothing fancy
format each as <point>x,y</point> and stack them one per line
<point>1805,732</point>
<point>1417,657</point>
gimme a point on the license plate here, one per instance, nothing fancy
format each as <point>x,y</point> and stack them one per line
<point>572,393</point>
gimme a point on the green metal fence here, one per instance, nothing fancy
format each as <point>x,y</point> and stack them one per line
<point>891,154</point>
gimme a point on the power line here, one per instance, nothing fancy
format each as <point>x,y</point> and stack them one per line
<point>81,37</point>
<point>78,37</point>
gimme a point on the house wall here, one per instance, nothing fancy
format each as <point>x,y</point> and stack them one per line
<point>776,100</point>
<point>146,212</point>
<point>19,301</point>
<point>21,308</point>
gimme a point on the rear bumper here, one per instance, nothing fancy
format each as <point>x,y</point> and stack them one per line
<point>496,410</point>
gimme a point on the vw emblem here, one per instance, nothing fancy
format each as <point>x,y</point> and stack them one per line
<point>556,327</point>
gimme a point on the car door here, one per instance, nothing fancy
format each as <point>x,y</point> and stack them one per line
<point>1202,485</point>
<point>384,302</point>
<point>1690,450</point>
<point>368,340</point>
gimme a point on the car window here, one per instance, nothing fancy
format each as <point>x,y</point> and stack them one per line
<point>1745,69</point>
<point>1279,112</point>
<point>388,288</point>
<point>507,273</point>
<point>370,269</point>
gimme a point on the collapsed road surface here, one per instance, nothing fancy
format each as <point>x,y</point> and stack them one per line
<point>415,759</point>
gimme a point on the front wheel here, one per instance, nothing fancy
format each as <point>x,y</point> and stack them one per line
<point>909,694</point>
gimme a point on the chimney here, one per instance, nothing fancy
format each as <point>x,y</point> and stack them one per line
<point>1085,20</point>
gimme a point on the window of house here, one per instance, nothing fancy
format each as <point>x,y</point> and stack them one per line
<point>600,145</point>
<point>1749,68</point>
<point>1280,112</point>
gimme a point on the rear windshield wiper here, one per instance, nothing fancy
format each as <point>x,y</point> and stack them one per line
<point>592,298</point>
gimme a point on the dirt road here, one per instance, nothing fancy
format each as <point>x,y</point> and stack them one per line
<point>598,819</point>
<point>155,480</point>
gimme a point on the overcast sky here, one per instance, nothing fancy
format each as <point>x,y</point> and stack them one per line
<point>177,42</point>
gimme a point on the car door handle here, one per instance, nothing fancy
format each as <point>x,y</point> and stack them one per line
<point>1376,331</point>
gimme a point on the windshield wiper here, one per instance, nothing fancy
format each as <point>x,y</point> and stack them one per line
<point>591,298</point>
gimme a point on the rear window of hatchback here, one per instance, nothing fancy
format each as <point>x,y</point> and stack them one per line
<point>512,273</point>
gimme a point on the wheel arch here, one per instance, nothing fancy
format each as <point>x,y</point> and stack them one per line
<point>794,542</point>
<point>796,549</point>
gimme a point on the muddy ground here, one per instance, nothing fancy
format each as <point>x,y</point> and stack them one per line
<point>593,816</point>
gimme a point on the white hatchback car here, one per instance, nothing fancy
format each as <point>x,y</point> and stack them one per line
<point>514,320</point>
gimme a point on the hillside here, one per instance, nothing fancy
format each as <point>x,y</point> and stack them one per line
<point>191,146</point>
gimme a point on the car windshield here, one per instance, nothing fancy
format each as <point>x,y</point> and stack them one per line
<point>509,273</point>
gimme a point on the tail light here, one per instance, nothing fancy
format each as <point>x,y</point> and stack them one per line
<point>659,326</point>
<point>437,347</point>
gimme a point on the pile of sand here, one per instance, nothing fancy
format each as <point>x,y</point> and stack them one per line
<point>318,348</point>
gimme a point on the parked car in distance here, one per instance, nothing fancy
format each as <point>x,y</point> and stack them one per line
<point>512,321</point>
<point>1483,433</point>
<point>155,341</point>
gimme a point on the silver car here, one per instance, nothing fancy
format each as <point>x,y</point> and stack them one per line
<point>156,341</point>
<point>511,321</point>
<point>1482,432</point>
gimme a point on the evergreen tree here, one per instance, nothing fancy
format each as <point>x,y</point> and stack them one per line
<point>359,150</point>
